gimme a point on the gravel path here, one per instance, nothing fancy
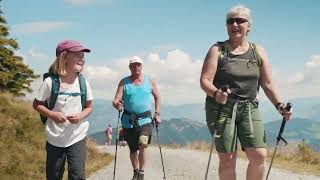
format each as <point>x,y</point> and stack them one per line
<point>180,164</point>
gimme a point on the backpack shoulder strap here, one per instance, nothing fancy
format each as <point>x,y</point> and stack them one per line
<point>223,48</point>
<point>55,88</point>
<point>83,90</point>
<point>258,58</point>
<point>256,54</point>
<point>45,75</point>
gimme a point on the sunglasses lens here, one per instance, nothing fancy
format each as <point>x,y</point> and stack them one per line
<point>237,20</point>
<point>230,21</point>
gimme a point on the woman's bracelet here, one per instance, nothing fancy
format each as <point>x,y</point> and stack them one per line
<point>156,114</point>
<point>279,105</point>
<point>215,94</point>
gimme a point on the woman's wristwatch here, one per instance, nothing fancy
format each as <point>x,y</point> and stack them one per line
<point>279,106</point>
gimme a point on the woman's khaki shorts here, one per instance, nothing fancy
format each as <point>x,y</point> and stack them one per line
<point>219,119</point>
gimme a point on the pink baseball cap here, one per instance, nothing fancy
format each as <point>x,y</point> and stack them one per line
<point>70,45</point>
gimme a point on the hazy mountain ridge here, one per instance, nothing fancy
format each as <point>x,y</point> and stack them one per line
<point>105,114</point>
<point>173,131</point>
<point>186,123</point>
<point>296,130</point>
<point>183,131</point>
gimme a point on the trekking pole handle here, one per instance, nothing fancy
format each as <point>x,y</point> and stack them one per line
<point>120,110</point>
<point>288,108</point>
<point>154,122</point>
<point>225,88</point>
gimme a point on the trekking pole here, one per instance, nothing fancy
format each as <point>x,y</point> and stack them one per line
<point>211,149</point>
<point>283,124</point>
<point>224,88</point>
<point>164,173</point>
<point>117,139</point>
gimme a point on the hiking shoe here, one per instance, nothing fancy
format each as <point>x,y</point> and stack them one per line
<point>140,176</point>
<point>135,175</point>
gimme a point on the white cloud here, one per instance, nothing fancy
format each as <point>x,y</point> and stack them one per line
<point>37,55</point>
<point>40,26</point>
<point>305,83</point>
<point>311,72</point>
<point>177,76</point>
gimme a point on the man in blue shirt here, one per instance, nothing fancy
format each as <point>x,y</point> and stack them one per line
<point>134,97</point>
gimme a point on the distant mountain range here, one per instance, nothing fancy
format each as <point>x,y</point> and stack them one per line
<point>183,131</point>
<point>296,130</point>
<point>104,113</point>
<point>186,123</point>
<point>173,131</point>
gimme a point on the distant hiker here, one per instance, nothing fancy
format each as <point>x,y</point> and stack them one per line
<point>134,96</point>
<point>66,127</point>
<point>243,66</point>
<point>108,135</point>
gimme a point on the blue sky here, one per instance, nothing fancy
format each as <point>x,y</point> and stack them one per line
<point>171,36</point>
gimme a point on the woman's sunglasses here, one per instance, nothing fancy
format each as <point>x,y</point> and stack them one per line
<point>237,20</point>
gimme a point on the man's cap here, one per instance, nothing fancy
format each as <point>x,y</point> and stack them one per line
<point>70,45</point>
<point>135,59</point>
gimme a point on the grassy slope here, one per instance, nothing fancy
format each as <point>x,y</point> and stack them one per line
<point>22,142</point>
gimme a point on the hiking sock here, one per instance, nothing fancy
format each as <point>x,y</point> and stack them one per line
<point>141,175</point>
<point>135,174</point>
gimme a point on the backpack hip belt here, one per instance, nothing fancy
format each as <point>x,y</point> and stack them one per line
<point>134,118</point>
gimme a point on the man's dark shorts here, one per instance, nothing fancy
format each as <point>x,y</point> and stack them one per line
<point>138,136</point>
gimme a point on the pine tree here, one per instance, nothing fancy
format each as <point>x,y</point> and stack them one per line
<point>15,75</point>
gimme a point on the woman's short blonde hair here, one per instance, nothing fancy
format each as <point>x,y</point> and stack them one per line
<point>242,11</point>
<point>59,65</point>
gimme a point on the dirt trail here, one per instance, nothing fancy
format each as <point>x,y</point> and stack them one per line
<point>181,164</point>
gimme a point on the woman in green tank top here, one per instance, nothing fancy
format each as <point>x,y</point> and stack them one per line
<point>231,75</point>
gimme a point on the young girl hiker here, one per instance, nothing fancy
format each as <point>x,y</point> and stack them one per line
<point>66,127</point>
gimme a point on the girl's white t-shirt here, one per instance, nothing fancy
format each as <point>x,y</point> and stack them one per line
<point>65,134</point>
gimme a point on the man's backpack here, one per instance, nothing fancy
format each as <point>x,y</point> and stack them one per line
<point>55,91</point>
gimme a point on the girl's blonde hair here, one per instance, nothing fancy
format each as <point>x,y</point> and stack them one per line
<point>59,65</point>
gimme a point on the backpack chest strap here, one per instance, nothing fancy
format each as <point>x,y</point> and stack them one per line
<point>70,94</point>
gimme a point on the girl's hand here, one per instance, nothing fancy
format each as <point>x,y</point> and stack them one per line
<point>58,117</point>
<point>75,118</point>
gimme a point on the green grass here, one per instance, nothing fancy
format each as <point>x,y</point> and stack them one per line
<point>300,159</point>
<point>22,142</point>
